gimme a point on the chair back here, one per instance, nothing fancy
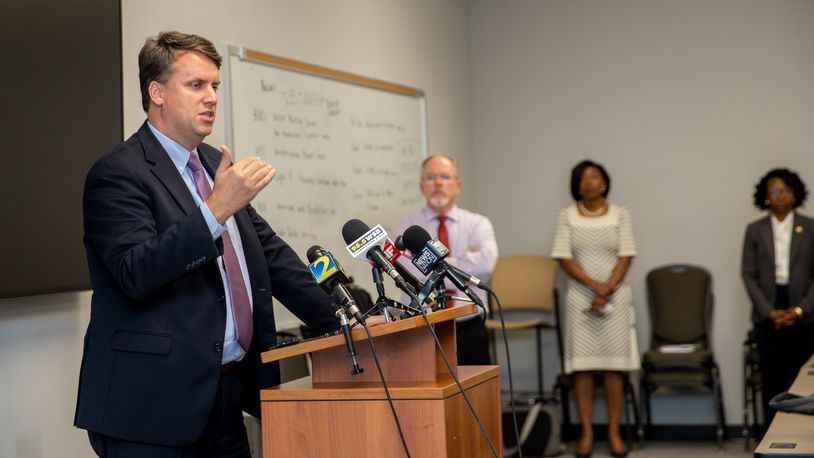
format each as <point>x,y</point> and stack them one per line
<point>525,282</point>
<point>680,300</point>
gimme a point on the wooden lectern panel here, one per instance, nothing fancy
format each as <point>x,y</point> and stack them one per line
<point>302,420</point>
<point>464,437</point>
<point>403,358</point>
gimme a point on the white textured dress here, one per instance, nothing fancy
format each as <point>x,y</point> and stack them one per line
<point>606,342</point>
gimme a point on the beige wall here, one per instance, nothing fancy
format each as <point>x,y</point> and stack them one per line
<point>687,103</point>
<point>422,44</point>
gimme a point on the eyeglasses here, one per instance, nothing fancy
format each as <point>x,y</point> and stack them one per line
<point>445,177</point>
<point>777,192</point>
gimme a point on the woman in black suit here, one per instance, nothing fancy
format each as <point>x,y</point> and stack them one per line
<point>778,267</point>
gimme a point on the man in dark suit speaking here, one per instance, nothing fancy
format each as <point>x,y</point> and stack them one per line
<point>183,272</point>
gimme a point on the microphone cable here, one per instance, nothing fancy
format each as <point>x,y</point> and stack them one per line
<point>386,390</point>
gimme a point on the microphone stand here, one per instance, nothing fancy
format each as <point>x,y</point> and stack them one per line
<point>345,325</point>
<point>384,303</point>
<point>441,296</point>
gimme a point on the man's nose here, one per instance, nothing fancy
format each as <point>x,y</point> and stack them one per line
<point>211,96</point>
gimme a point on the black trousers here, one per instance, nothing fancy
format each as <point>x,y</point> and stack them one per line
<point>224,435</point>
<point>473,343</point>
<point>782,353</point>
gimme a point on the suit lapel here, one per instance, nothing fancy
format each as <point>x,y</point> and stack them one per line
<point>768,238</point>
<point>796,238</point>
<point>165,171</point>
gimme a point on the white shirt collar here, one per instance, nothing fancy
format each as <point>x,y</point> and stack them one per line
<point>452,214</point>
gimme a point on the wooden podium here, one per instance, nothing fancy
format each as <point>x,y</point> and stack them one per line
<point>336,414</point>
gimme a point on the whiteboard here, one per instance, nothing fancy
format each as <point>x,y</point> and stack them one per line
<point>342,150</point>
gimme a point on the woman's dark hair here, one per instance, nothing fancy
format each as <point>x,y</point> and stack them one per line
<point>576,178</point>
<point>791,179</point>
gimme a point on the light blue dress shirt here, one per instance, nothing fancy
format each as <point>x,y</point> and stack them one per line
<point>232,351</point>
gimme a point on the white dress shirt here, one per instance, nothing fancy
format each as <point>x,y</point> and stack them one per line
<point>781,231</point>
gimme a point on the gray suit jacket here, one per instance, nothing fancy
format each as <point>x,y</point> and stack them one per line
<point>758,269</point>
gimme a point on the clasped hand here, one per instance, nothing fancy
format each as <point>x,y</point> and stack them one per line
<point>782,318</point>
<point>603,292</point>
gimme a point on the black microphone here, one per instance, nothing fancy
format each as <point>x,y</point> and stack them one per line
<point>428,256</point>
<point>329,274</point>
<point>364,242</point>
<point>471,279</point>
<point>393,251</point>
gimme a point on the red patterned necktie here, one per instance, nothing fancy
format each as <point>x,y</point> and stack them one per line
<point>443,235</point>
<point>241,307</point>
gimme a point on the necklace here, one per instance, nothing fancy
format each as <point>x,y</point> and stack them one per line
<point>598,212</point>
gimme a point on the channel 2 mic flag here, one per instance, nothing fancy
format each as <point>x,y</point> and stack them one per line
<point>323,268</point>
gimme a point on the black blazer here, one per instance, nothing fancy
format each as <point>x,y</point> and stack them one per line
<point>758,269</point>
<point>154,344</point>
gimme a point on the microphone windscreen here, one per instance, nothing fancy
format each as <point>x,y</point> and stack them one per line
<point>415,238</point>
<point>353,229</point>
<point>314,252</point>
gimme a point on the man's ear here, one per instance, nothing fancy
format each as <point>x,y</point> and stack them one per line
<point>156,92</point>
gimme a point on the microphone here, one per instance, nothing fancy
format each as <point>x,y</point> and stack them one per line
<point>393,251</point>
<point>428,256</point>
<point>364,242</point>
<point>471,279</point>
<point>329,274</point>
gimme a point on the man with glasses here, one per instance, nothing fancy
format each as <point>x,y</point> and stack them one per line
<point>470,239</point>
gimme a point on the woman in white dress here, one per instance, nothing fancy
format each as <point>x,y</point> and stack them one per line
<point>594,245</point>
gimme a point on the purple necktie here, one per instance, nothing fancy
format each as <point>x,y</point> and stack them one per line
<point>241,307</point>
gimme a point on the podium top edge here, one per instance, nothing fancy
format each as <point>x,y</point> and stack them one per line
<point>324,343</point>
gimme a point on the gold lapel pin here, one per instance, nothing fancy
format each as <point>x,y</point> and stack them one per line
<point>798,229</point>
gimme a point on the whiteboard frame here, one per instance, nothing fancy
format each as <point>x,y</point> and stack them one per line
<point>285,63</point>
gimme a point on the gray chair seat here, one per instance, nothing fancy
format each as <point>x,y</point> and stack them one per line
<point>658,361</point>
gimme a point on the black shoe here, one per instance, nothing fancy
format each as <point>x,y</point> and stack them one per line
<point>583,455</point>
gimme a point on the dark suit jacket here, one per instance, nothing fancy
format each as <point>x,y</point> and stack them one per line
<point>154,344</point>
<point>758,269</point>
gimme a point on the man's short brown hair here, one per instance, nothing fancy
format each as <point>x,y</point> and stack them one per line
<point>158,54</point>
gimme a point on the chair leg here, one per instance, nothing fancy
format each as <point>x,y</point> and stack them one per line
<point>628,403</point>
<point>719,432</point>
<point>637,423</point>
<point>647,410</point>
<point>756,423</point>
<point>745,430</point>
<point>539,338</point>
<point>566,411</point>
